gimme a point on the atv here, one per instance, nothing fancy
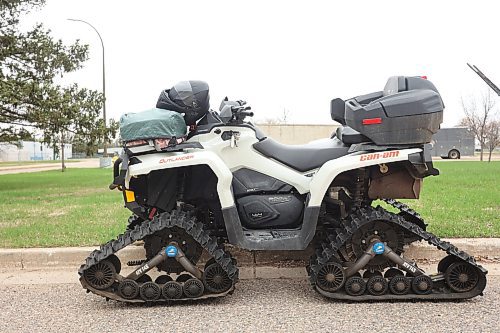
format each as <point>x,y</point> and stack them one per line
<point>224,181</point>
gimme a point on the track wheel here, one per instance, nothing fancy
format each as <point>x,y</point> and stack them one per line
<point>144,278</point>
<point>183,278</point>
<point>193,288</point>
<point>368,274</point>
<point>162,279</point>
<point>172,290</point>
<point>216,279</point>
<point>392,272</point>
<point>331,277</point>
<point>101,276</point>
<point>461,277</point>
<point>358,274</point>
<point>377,285</point>
<point>400,285</point>
<point>355,286</point>
<point>150,291</point>
<point>445,263</point>
<point>116,262</point>
<point>422,285</point>
<point>129,289</point>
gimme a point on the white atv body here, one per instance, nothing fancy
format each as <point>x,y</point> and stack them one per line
<point>229,183</point>
<point>226,156</point>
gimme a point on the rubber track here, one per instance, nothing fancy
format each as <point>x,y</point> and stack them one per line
<point>176,218</point>
<point>404,208</point>
<point>354,221</point>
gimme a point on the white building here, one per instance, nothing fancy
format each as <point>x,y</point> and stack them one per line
<point>31,151</point>
<point>111,150</point>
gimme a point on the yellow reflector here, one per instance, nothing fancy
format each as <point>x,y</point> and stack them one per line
<point>129,196</point>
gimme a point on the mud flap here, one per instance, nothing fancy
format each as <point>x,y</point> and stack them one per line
<point>119,174</point>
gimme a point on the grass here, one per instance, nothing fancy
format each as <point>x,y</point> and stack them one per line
<point>7,164</point>
<point>463,201</point>
<point>53,208</point>
<point>75,208</point>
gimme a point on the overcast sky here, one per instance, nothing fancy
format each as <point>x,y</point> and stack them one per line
<point>296,55</point>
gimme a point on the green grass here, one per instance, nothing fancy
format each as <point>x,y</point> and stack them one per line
<point>54,208</point>
<point>7,164</point>
<point>75,208</point>
<point>463,201</point>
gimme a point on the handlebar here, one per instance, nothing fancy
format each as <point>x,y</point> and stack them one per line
<point>247,114</point>
<point>239,109</point>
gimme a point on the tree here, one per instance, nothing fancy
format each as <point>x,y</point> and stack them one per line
<point>492,137</point>
<point>477,117</point>
<point>281,120</point>
<point>75,113</point>
<point>29,63</point>
<point>30,99</point>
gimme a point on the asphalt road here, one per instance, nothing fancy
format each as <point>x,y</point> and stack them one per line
<point>256,306</point>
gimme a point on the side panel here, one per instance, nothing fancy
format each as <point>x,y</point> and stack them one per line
<point>331,169</point>
<point>174,160</point>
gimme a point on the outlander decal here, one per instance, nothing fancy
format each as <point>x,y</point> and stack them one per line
<point>176,158</point>
<point>376,156</point>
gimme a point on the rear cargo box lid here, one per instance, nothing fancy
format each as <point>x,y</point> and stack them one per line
<point>410,103</point>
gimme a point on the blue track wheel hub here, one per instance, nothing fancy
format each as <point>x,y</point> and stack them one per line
<point>378,248</point>
<point>171,251</point>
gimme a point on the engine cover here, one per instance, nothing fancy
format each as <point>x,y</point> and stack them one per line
<point>270,211</point>
<point>246,181</point>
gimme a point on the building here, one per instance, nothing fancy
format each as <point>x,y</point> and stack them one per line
<point>31,151</point>
<point>298,134</point>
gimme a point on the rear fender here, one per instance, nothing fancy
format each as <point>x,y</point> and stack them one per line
<point>331,169</point>
<point>161,161</point>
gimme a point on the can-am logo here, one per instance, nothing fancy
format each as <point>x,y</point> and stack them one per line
<point>376,156</point>
<point>176,158</point>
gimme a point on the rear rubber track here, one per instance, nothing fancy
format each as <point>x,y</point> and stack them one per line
<point>334,243</point>
<point>176,218</point>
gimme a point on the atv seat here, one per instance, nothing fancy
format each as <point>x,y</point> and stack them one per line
<point>349,136</point>
<point>302,157</point>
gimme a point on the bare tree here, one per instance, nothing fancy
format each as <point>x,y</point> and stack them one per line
<point>281,120</point>
<point>284,116</point>
<point>492,136</point>
<point>477,117</point>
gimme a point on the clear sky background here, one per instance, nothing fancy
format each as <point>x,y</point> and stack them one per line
<point>294,55</point>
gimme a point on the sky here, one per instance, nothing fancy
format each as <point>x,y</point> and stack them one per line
<point>279,55</point>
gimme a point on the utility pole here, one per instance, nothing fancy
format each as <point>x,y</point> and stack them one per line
<point>103,82</point>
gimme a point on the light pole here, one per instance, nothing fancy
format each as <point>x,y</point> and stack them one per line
<point>103,81</point>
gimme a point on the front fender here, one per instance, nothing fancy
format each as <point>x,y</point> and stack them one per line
<point>160,161</point>
<point>331,169</point>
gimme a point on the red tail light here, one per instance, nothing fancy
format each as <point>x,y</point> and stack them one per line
<point>372,121</point>
<point>424,77</point>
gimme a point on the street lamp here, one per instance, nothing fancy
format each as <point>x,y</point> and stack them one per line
<point>103,80</point>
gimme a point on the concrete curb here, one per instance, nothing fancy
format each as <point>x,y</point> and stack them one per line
<point>253,264</point>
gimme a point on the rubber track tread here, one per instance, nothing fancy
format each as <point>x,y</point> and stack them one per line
<point>176,218</point>
<point>330,249</point>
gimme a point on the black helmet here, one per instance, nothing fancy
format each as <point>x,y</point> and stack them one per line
<point>188,97</point>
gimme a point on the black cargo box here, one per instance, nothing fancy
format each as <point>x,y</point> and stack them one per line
<point>408,111</point>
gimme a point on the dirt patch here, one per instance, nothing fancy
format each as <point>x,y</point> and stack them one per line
<point>57,213</point>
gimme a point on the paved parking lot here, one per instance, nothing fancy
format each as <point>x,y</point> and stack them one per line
<point>256,306</point>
